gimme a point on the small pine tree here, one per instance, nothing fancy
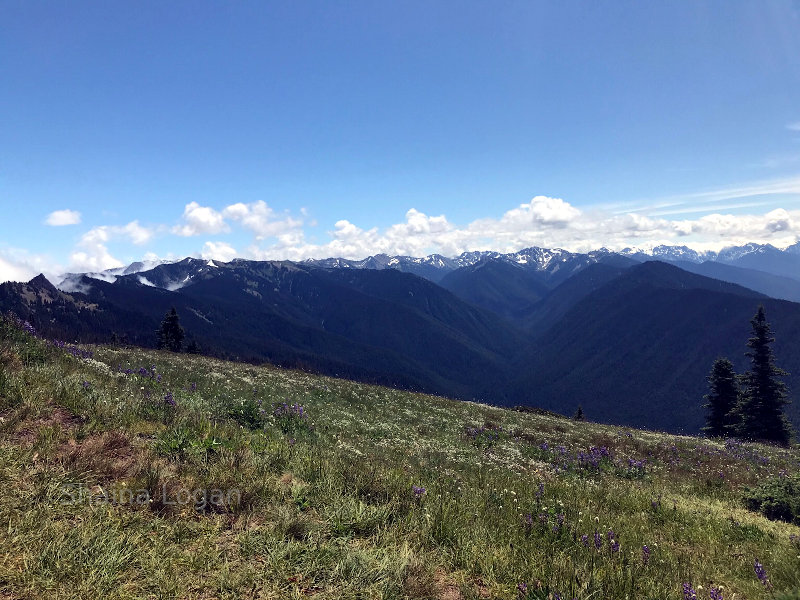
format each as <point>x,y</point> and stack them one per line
<point>722,398</point>
<point>193,347</point>
<point>764,397</point>
<point>579,416</point>
<point>170,333</point>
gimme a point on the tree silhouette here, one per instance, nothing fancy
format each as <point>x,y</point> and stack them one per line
<point>761,409</point>
<point>722,398</point>
<point>170,333</point>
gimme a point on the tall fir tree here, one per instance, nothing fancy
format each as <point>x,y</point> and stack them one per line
<point>761,409</point>
<point>170,333</point>
<point>722,398</point>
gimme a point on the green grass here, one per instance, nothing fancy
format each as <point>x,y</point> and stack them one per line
<point>108,490</point>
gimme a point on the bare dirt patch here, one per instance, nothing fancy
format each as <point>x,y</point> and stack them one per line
<point>27,430</point>
<point>109,456</point>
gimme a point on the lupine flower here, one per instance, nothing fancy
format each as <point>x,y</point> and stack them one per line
<point>645,555</point>
<point>419,491</point>
<point>528,520</point>
<point>585,540</point>
<point>715,593</point>
<point>688,592</point>
<point>598,540</point>
<point>86,385</point>
<point>169,400</point>
<point>522,589</point>
<point>614,546</point>
<point>761,573</point>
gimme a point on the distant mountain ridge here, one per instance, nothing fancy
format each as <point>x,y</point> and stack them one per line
<point>628,337</point>
<point>434,267</point>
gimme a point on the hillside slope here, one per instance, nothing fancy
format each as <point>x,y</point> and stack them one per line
<point>348,323</point>
<point>134,473</point>
<point>637,350</point>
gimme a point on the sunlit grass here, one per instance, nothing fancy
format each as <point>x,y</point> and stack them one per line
<point>325,503</point>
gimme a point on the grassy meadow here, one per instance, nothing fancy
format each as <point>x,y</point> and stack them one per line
<point>129,473</point>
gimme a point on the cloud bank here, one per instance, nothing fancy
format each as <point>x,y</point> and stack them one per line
<point>255,230</point>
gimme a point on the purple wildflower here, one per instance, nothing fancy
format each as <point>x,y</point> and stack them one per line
<point>585,540</point>
<point>419,491</point>
<point>169,400</point>
<point>715,593</point>
<point>688,592</point>
<point>522,589</point>
<point>645,555</point>
<point>761,573</point>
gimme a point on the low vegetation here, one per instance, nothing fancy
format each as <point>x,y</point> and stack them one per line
<point>129,473</point>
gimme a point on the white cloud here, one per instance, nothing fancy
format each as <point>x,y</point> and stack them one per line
<point>198,220</point>
<point>218,251</point>
<point>793,126</point>
<point>261,219</point>
<point>60,218</point>
<point>20,265</point>
<point>14,271</point>
<point>93,254</point>
<point>542,211</point>
<point>544,221</point>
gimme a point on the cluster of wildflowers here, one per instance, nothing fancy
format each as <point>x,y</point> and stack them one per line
<point>27,327</point>
<point>169,399</point>
<point>736,449</point>
<point>715,593</point>
<point>71,349</point>
<point>418,491</point>
<point>144,372</point>
<point>761,573</point>
<point>688,592</point>
<point>484,436</point>
<point>290,417</point>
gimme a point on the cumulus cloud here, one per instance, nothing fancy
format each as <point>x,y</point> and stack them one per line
<point>199,220</point>
<point>11,270</point>
<point>20,265</point>
<point>218,251</point>
<point>92,253</point>
<point>259,218</point>
<point>59,218</point>
<point>544,221</point>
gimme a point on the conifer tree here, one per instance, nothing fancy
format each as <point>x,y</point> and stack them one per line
<point>170,333</point>
<point>764,397</point>
<point>722,398</point>
<point>579,416</point>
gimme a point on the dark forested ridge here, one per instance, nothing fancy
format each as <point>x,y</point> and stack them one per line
<point>630,342</point>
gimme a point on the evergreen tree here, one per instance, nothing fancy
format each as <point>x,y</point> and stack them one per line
<point>764,397</point>
<point>579,416</point>
<point>722,398</point>
<point>170,334</point>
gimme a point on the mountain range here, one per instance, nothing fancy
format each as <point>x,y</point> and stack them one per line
<point>627,337</point>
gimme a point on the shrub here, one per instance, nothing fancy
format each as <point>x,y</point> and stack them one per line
<point>777,499</point>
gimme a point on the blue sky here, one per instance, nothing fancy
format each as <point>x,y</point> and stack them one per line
<point>289,130</point>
